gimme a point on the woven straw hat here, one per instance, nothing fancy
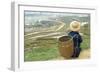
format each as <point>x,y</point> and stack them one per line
<point>75,26</point>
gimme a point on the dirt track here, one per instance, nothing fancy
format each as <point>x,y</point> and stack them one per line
<point>85,54</point>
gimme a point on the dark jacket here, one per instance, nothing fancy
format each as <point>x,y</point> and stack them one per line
<point>77,39</point>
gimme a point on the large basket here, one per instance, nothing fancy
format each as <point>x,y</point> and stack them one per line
<point>66,46</point>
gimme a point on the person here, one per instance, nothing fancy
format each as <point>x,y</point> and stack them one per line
<point>77,39</point>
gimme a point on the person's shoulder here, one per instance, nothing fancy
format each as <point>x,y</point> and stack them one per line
<point>70,32</point>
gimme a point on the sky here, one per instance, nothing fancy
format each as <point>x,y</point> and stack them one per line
<point>36,13</point>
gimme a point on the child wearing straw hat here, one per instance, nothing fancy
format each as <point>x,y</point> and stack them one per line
<point>77,39</point>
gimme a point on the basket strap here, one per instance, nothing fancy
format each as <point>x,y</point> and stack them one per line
<point>74,36</point>
<point>77,40</point>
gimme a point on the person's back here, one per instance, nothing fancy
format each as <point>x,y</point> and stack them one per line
<point>77,39</point>
<point>77,42</point>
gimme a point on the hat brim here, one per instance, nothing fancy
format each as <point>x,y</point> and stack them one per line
<point>74,29</point>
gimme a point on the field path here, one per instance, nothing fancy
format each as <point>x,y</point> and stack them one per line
<point>85,54</point>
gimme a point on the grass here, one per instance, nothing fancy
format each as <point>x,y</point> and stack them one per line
<point>86,42</point>
<point>41,54</point>
<point>46,48</point>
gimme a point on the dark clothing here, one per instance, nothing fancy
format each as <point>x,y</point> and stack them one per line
<point>77,39</point>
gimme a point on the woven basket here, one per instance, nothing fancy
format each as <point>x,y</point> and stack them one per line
<point>66,46</point>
